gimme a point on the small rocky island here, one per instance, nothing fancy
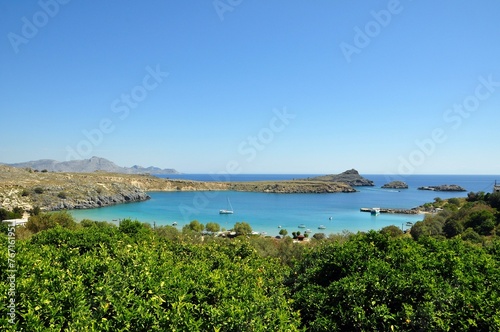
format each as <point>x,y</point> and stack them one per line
<point>350,177</point>
<point>443,187</point>
<point>395,185</point>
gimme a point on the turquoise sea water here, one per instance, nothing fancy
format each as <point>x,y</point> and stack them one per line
<point>265,212</point>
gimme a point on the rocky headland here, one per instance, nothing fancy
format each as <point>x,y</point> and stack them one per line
<point>350,177</point>
<point>395,185</point>
<point>26,188</point>
<point>51,191</point>
<point>292,187</point>
<point>444,187</point>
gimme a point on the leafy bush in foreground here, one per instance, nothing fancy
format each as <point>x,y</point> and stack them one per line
<point>96,280</point>
<point>99,277</point>
<point>373,282</point>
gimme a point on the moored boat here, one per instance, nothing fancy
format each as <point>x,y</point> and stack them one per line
<point>229,210</point>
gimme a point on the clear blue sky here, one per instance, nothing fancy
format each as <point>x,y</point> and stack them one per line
<point>254,86</point>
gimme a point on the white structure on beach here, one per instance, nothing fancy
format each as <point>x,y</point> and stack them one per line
<point>16,222</point>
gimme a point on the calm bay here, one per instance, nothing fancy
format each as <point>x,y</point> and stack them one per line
<point>266,212</point>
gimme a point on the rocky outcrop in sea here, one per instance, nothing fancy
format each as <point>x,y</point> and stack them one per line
<point>444,187</point>
<point>395,185</point>
<point>351,177</point>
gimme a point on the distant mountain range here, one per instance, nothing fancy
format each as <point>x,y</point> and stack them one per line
<point>90,165</point>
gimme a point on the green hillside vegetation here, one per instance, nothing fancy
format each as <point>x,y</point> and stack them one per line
<point>96,276</point>
<point>474,218</point>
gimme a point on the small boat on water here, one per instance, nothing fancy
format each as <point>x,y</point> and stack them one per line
<point>229,210</point>
<point>174,223</point>
<point>302,226</point>
<point>308,231</point>
<point>321,227</point>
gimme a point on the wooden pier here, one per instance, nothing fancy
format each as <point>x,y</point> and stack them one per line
<point>393,210</point>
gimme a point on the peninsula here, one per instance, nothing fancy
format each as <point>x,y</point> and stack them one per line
<point>28,188</point>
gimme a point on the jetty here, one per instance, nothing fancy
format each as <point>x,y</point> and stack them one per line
<point>393,210</point>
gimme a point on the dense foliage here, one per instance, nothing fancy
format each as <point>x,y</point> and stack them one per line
<point>95,276</point>
<point>103,278</point>
<point>374,282</point>
<point>472,218</point>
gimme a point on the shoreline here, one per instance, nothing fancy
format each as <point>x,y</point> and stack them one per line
<point>263,212</point>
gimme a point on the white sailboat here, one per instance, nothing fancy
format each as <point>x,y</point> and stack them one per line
<point>229,210</point>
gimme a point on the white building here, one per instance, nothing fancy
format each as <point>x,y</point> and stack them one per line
<point>16,222</point>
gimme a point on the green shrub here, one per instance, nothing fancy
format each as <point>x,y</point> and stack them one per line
<point>48,220</point>
<point>483,221</point>
<point>168,232</point>
<point>494,200</point>
<point>242,228</point>
<point>131,227</point>
<point>454,201</point>
<point>14,214</point>
<point>470,235</point>
<point>193,226</point>
<point>85,280</point>
<point>376,283</point>
<point>212,227</point>
<point>392,231</point>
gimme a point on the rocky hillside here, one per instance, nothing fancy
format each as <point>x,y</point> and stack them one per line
<point>90,165</point>
<point>351,177</point>
<point>55,191</point>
